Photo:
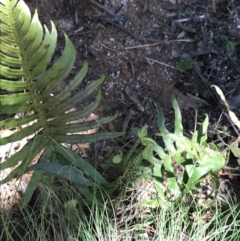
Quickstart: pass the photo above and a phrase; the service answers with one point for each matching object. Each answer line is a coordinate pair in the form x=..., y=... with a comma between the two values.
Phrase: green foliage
x=188, y=64
x=193, y=158
x=185, y=64
x=230, y=45
x=30, y=84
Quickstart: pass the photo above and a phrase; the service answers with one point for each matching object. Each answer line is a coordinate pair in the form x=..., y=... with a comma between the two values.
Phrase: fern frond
x=28, y=79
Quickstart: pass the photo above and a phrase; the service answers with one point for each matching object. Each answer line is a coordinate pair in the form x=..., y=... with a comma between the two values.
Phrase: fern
x=28, y=81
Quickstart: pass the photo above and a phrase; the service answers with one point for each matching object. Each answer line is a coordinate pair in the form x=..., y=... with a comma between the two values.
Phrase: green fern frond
x=27, y=81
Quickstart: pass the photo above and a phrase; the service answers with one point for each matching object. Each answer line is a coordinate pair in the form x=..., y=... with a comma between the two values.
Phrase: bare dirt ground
x=137, y=45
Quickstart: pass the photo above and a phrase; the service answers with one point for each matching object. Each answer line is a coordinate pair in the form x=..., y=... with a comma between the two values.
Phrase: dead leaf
x=232, y=115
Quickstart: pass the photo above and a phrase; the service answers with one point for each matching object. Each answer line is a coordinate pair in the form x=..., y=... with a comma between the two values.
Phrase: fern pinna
x=27, y=81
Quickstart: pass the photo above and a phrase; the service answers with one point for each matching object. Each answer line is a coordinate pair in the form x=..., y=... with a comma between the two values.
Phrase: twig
x=134, y=99
x=145, y=7
x=141, y=46
x=77, y=30
x=205, y=83
x=106, y=46
x=222, y=139
x=76, y=17
x=133, y=70
x=232, y=124
x=148, y=45
x=102, y=7
x=127, y=120
x=165, y=42
x=219, y=119
x=214, y=6
x=185, y=28
x=125, y=29
x=167, y=65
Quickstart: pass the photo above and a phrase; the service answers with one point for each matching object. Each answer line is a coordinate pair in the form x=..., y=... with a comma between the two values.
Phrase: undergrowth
x=156, y=197
x=62, y=219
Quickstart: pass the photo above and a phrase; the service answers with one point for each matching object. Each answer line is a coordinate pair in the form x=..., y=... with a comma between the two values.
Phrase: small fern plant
x=175, y=167
x=28, y=80
x=182, y=162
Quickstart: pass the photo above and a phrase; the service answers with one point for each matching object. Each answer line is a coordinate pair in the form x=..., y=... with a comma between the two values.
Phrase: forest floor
x=150, y=50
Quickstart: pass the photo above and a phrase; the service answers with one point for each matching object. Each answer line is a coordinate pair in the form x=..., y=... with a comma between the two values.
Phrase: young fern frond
x=27, y=81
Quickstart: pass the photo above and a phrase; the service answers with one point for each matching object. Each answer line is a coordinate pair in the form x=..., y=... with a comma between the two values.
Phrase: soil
x=113, y=52
x=138, y=45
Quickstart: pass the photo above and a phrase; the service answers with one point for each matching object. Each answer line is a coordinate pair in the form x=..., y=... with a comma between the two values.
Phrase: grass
x=62, y=218
x=59, y=211
x=176, y=223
